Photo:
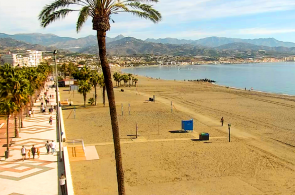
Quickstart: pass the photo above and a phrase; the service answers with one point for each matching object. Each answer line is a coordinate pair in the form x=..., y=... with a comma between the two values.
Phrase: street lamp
x=229, y=125
x=57, y=107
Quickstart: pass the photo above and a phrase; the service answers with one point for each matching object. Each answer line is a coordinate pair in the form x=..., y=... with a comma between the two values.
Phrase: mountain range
x=121, y=45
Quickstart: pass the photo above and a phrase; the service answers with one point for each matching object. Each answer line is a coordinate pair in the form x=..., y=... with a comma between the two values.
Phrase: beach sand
x=259, y=159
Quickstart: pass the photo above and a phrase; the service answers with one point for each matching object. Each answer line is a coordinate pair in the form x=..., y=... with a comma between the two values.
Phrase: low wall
x=70, y=187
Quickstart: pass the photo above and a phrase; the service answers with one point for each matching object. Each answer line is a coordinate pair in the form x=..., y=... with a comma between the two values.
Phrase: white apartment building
x=32, y=58
x=35, y=57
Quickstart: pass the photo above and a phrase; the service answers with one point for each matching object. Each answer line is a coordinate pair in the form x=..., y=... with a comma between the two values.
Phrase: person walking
x=221, y=120
x=29, y=153
x=30, y=113
x=38, y=152
x=62, y=183
x=52, y=146
x=50, y=120
x=47, y=145
x=33, y=149
x=23, y=152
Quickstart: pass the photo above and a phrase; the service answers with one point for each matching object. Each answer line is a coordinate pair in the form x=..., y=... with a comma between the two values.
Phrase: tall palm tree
x=102, y=84
x=84, y=88
x=116, y=76
x=135, y=81
x=125, y=79
x=129, y=78
x=101, y=12
x=95, y=80
x=7, y=107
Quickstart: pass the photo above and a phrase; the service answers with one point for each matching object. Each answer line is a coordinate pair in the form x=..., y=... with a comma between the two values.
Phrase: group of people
x=49, y=146
x=33, y=151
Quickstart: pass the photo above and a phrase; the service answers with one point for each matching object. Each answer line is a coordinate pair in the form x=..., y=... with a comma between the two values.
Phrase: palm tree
x=95, y=80
x=84, y=88
x=7, y=107
x=102, y=84
x=129, y=78
x=135, y=81
x=116, y=76
x=125, y=79
x=101, y=12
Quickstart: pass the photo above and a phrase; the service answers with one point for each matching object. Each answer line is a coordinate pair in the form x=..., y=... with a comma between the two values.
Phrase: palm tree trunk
x=104, y=95
x=7, y=134
x=84, y=100
x=16, y=127
x=101, y=36
x=95, y=94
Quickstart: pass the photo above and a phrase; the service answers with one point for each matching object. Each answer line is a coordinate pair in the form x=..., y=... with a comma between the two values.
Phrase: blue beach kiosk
x=187, y=125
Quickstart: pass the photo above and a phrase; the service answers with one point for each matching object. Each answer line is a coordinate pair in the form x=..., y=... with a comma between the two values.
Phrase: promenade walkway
x=33, y=176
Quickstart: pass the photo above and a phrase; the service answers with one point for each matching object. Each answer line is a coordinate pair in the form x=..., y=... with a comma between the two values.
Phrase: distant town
x=33, y=57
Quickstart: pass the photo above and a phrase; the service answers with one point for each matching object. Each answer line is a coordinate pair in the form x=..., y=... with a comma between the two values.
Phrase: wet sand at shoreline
x=259, y=159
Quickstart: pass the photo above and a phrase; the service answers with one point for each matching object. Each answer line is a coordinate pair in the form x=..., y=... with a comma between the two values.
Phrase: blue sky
x=184, y=19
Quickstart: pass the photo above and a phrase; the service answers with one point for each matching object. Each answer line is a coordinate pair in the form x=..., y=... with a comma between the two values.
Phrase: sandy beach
x=259, y=159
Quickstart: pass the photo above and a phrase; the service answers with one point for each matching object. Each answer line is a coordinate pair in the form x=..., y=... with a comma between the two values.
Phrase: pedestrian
x=62, y=183
x=52, y=146
x=38, y=152
x=47, y=145
x=50, y=120
x=33, y=149
x=221, y=120
x=30, y=113
x=23, y=152
x=29, y=153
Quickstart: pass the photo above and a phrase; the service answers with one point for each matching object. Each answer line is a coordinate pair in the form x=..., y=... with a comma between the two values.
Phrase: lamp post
x=229, y=125
x=57, y=107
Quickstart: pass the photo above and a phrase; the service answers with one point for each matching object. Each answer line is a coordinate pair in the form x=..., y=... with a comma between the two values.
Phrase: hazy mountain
x=59, y=42
x=170, y=41
x=130, y=46
x=9, y=44
x=37, y=38
x=218, y=41
x=251, y=47
x=76, y=44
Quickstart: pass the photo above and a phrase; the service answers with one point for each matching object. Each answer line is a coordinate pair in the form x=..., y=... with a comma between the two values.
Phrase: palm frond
x=55, y=16
x=154, y=14
x=49, y=9
x=142, y=15
x=84, y=13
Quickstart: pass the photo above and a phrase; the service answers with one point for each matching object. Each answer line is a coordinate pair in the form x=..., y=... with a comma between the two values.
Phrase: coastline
x=260, y=123
x=231, y=87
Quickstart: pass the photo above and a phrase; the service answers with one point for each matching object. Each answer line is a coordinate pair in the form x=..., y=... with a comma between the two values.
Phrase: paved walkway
x=33, y=176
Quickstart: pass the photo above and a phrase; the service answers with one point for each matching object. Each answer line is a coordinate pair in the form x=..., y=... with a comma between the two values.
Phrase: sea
x=266, y=77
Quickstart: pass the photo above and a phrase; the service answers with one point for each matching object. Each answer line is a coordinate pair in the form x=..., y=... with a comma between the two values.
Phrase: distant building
x=32, y=58
x=35, y=57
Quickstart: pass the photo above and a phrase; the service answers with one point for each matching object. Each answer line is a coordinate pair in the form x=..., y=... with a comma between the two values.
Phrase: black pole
x=228, y=134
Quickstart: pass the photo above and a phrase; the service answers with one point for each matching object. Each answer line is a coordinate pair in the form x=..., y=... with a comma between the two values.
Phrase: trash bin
x=204, y=136
x=187, y=125
x=6, y=154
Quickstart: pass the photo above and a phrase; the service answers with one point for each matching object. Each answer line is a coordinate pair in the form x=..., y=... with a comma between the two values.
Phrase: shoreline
x=231, y=87
x=152, y=161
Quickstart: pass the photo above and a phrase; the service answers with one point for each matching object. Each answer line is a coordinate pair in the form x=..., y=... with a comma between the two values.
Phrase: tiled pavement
x=33, y=176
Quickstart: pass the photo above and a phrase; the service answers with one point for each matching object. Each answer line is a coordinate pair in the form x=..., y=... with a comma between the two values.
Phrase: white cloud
x=19, y=16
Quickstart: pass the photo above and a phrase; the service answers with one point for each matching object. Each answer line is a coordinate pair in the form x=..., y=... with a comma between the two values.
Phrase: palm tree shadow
x=178, y=131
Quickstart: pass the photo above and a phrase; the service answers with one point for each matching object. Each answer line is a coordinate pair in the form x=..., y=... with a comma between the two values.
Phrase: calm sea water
x=268, y=77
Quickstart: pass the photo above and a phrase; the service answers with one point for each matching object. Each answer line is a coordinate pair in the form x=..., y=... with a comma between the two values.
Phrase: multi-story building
x=32, y=58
